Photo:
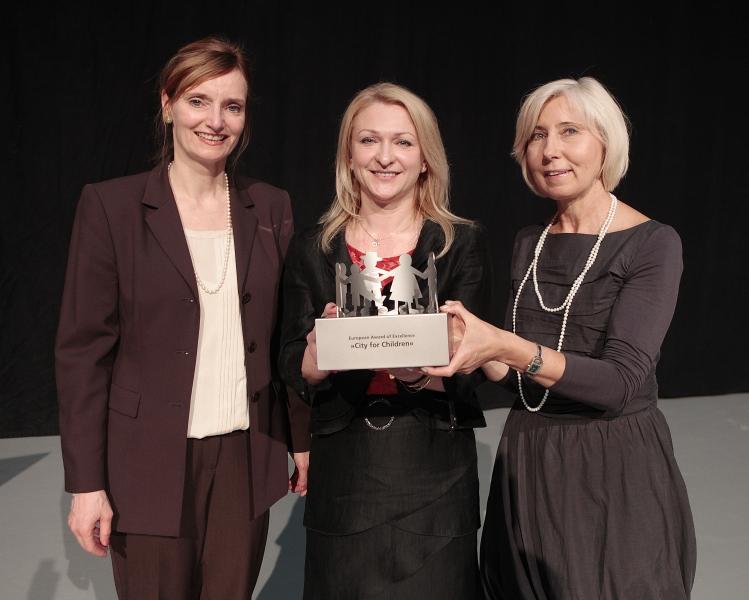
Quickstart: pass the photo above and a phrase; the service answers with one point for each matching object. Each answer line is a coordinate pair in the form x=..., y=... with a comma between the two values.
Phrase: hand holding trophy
x=309, y=361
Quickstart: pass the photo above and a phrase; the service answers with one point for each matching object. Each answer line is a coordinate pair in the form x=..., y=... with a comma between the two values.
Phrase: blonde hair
x=600, y=110
x=432, y=187
x=193, y=64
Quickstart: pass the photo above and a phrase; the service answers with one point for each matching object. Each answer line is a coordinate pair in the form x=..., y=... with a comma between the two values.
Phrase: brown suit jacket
x=127, y=341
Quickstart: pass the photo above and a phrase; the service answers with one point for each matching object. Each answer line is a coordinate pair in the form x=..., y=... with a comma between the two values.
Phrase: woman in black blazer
x=393, y=503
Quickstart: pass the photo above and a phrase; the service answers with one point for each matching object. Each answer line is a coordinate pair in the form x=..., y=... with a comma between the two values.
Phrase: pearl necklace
x=227, y=246
x=570, y=296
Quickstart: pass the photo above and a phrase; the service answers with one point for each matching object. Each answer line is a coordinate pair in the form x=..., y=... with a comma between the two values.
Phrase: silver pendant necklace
x=377, y=241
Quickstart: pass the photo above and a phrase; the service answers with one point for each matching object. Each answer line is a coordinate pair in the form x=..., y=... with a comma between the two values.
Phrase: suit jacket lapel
x=430, y=239
x=339, y=254
x=165, y=224
x=244, y=222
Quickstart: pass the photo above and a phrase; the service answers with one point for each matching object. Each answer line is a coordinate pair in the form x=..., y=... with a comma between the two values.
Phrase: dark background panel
x=81, y=86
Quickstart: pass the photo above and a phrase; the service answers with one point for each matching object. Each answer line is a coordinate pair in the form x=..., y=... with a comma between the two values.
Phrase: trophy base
x=383, y=342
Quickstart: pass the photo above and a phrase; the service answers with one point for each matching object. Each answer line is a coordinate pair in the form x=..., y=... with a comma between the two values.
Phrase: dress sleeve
x=639, y=321
x=87, y=336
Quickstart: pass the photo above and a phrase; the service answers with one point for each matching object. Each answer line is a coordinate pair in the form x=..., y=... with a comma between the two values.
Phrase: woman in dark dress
x=392, y=510
x=586, y=499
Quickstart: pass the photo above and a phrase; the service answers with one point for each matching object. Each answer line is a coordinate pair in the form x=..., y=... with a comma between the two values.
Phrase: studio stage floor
x=40, y=560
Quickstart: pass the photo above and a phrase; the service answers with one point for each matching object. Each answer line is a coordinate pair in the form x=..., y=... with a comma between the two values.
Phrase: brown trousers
x=219, y=553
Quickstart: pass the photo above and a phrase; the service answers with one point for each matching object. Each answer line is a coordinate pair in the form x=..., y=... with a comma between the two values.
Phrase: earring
x=167, y=120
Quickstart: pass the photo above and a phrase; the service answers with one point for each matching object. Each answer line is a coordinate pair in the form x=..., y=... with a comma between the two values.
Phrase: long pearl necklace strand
x=570, y=296
x=227, y=246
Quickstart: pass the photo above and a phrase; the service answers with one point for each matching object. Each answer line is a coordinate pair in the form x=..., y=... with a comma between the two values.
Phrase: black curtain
x=81, y=83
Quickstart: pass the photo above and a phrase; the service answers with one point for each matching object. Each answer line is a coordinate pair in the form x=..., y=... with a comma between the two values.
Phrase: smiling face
x=564, y=155
x=208, y=119
x=386, y=158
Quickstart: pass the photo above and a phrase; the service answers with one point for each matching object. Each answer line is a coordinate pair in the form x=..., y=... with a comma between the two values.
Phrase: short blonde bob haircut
x=193, y=64
x=432, y=193
x=600, y=111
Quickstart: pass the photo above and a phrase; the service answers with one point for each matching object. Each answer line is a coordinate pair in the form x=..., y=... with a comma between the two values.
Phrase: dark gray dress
x=586, y=498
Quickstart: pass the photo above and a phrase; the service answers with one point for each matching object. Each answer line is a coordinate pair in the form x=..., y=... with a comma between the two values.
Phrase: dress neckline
x=565, y=233
x=358, y=252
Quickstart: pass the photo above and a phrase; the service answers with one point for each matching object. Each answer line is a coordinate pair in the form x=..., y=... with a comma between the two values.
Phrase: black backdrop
x=82, y=97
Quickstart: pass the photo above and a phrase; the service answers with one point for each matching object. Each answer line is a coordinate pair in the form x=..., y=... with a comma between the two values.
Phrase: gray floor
x=39, y=559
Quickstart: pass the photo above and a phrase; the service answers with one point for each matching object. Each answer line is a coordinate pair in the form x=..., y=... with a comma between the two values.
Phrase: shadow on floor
x=10, y=467
x=287, y=579
x=44, y=583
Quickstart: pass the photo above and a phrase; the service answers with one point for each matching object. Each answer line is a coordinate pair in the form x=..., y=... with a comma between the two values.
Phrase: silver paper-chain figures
x=364, y=287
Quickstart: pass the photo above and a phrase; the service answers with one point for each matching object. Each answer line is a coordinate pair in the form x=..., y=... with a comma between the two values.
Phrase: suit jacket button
x=256, y=396
x=252, y=347
x=246, y=298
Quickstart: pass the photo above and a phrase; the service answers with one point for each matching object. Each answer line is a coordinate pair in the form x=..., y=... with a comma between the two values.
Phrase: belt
x=384, y=409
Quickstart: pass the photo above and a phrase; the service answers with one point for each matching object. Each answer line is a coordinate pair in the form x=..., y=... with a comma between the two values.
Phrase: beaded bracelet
x=418, y=385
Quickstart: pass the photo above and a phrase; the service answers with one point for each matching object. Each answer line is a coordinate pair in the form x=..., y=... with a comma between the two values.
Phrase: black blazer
x=464, y=274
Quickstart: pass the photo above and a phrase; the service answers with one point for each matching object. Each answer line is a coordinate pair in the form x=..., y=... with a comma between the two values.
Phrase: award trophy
x=368, y=334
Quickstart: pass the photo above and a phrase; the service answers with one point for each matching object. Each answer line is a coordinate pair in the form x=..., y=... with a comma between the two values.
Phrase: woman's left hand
x=477, y=342
x=298, y=479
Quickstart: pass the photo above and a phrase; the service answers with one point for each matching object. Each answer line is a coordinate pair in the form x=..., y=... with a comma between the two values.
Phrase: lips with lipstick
x=557, y=172
x=385, y=174
x=212, y=138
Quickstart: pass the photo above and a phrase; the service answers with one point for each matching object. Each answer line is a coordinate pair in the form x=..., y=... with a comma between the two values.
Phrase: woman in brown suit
x=174, y=437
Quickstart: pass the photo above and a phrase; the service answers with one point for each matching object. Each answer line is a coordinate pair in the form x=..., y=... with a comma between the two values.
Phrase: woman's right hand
x=90, y=520
x=310, y=372
x=473, y=344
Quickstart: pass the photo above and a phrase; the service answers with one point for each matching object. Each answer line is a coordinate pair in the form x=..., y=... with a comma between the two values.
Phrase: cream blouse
x=219, y=390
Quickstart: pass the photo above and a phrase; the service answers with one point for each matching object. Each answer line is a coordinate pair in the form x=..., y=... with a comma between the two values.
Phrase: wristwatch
x=536, y=362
